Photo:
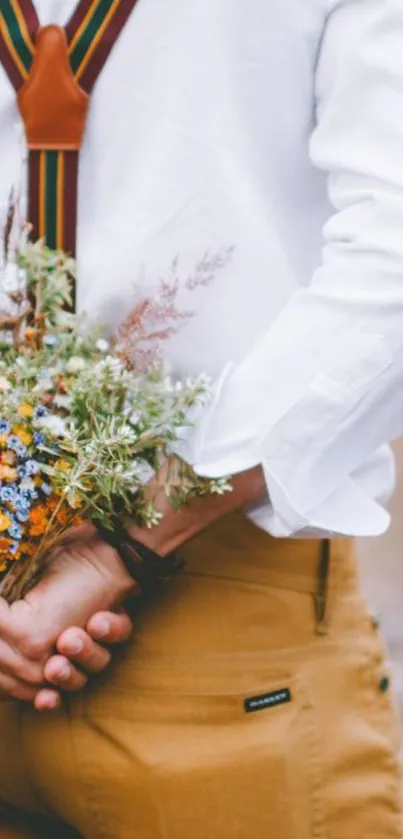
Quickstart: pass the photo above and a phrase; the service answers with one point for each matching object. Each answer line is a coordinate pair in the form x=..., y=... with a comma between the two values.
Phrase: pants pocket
x=205, y=765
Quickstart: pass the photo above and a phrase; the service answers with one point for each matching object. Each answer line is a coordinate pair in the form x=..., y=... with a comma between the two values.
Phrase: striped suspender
x=53, y=71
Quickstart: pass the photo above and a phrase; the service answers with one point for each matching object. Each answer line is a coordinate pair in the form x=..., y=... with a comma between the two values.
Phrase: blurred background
x=381, y=563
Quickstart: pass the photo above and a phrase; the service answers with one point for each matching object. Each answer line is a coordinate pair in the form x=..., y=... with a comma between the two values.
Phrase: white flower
x=62, y=400
x=4, y=384
x=75, y=364
x=102, y=345
x=127, y=433
x=56, y=426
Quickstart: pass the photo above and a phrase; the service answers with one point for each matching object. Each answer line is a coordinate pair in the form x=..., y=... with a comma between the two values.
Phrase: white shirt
x=273, y=127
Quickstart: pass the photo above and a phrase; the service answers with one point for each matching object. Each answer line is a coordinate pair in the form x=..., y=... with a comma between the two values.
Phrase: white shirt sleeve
x=323, y=389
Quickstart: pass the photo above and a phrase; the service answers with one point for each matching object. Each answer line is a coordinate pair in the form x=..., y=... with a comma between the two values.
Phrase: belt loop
x=321, y=597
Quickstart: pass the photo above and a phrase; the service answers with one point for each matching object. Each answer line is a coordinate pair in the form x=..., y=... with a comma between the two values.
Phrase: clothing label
x=267, y=700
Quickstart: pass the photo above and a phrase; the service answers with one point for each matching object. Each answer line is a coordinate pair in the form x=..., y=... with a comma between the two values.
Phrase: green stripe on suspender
x=84, y=43
x=51, y=188
x=14, y=30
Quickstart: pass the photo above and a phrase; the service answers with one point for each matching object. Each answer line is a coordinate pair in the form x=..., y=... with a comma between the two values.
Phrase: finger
x=61, y=672
x=110, y=628
x=17, y=666
x=16, y=689
x=47, y=700
x=76, y=645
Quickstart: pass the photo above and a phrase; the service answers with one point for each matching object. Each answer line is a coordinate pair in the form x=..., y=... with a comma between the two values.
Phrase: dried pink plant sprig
x=155, y=319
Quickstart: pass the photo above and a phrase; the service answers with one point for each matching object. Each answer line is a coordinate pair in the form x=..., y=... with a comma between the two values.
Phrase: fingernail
x=76, y=647
x=102, y=628
x=64, y=673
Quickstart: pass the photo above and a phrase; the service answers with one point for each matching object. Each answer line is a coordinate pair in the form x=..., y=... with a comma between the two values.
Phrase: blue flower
x=29, y=493
x=14, y=548
x=15, y=530
x=30, y=467
x=16, y=446
x=5, y=426
x=39, y=438
x=22, y=515
x=46, y=489
x=8, y=494
x=40, y=412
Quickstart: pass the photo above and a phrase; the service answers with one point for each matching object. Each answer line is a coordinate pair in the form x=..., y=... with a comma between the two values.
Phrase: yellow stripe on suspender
x=84, y=24
x=42, y=194
x=11, y=48
x=97, y=39
x=60, y=200
x=23, y=26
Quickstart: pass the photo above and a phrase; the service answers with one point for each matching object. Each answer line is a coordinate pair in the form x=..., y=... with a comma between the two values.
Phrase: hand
x=82, y=579
x=81, y=653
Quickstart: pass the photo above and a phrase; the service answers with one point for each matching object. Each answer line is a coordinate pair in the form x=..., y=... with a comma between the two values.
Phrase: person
x=253, y=697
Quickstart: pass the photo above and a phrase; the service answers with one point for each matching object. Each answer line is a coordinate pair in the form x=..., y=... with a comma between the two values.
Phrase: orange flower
x=38, y=529
x=5, y=522
x=37, y=514
x=5, y=544
x=62, y=517
x=8, y=457
x=7, y=473
x=25, y=410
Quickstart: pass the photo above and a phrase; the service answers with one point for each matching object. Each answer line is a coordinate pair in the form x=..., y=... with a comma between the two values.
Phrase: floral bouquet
x=84, y=421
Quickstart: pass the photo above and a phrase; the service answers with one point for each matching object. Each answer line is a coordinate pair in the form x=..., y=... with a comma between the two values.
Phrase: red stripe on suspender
x=31, y=17
x=33, y=194
x=16, y=79
x=70, y=201
x=77, y=18
x=104, y=48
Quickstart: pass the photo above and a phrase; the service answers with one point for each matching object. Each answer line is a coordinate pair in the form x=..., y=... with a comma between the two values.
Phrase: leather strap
x=54, y=71
x=147, y=568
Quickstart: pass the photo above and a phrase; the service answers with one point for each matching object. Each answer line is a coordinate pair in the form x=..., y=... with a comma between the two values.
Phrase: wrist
x=109, y=564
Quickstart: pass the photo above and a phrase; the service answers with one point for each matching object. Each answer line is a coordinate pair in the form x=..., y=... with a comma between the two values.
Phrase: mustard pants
x=228, y=716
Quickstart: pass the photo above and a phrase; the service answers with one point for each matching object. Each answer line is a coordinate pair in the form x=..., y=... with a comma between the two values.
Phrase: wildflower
x=4, y=545
x=25, y=410
x=16, y=446
x=37, y=514
x=54, y=425
x=40, y=412
x=102, y=345
x=22, y=515
x=62, y=466
x=46, y=489
x=62, y=400
x=5, y=426
x=14, y=549
x=5, y=522
x=38, y=438
x=8, y=458
x=27, y=469
x=7, y=473
x=15, y=530
x=8, y=494
x=4, y=384
x=76, y=364
x=24, y=436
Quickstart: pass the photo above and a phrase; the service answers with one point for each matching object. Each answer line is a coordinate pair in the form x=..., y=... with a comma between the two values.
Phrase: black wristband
x=147, y=568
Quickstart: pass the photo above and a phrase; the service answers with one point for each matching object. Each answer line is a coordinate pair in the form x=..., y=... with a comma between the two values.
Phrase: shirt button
x=384, y=684
x=375, y=622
